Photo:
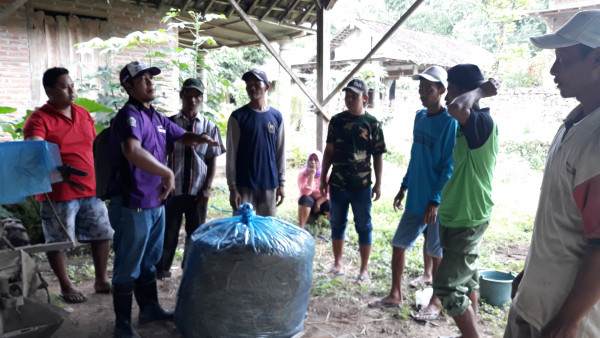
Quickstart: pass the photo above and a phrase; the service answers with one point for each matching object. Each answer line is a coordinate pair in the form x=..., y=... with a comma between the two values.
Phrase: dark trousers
x=176, y=208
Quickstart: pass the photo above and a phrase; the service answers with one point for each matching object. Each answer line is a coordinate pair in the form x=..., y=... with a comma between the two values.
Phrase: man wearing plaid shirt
x=194, y=169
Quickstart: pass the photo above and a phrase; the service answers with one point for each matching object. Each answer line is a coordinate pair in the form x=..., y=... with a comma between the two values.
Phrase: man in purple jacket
x=140, y=183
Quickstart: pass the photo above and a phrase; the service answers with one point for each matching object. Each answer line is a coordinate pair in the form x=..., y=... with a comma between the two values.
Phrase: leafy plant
x=191, y=62
x=15, y=122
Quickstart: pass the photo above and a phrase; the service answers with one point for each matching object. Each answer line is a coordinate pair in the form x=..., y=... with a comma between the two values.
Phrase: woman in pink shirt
x=308, y=183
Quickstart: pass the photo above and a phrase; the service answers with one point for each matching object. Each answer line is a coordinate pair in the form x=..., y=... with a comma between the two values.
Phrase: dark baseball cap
x=467, y=76
x=357, y=86
x=193, y=83
x=256, y=73
x=136, y=69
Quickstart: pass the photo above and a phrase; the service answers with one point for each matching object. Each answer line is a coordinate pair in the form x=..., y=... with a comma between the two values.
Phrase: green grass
x=515, y=193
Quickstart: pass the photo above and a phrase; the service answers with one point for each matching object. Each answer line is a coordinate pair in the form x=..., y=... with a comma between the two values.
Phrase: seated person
x=308, y=183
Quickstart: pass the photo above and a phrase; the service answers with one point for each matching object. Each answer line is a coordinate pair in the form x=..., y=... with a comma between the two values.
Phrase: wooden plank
x=187, y=5
x=308, y=12
x=207, y=8
x=255, y=42
x=318, y=4
x=289, y=10
x=51, y=41
x=323, y=68
x=46, y=247
x=387, y=35
x=63, y=48
x=226, y=27
x=38, y=63
x=10, y=9
x=273, y=5
x=74, y=57
x=251, y=7
x=273, y=52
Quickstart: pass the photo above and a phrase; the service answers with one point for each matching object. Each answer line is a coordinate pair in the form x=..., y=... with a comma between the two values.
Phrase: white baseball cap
x=584, y=28
x=433, y=74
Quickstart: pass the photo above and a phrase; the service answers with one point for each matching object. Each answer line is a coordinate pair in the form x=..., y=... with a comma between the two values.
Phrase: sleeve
x=586, y=191
x=214, y=133
x=302, y=180
x=378, y=143
x=331, y=135
x=446, y=164
x=587, y=199
x=35, y=126
x=93, y=124
x=233, y=139
x=128, y=123
x=280, y=154
x=478, y=128
x=406, y=178
x=407, y=175
x=174, y=132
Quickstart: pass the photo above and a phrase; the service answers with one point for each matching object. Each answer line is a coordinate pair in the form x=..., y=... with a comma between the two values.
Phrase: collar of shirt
x=140, y=106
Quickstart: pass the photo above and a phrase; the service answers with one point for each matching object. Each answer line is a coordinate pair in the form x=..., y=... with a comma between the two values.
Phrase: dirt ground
x=343, y=315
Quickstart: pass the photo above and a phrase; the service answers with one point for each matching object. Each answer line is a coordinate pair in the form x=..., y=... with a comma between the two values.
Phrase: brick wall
x=123, y=18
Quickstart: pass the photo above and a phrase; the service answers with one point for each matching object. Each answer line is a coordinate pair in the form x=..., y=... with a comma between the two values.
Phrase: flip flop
x=362, y=279
x=334, y=273
x=423, y=316
x=73, y=297
x=415, y=283
x=382, y=303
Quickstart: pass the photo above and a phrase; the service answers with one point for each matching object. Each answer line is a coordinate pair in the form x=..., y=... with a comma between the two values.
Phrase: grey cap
x=433, y=74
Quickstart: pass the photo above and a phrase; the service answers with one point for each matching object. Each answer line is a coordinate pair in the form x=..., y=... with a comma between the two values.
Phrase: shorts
x=309, y=201
x=457, y=275
x=263, y=201
x=84, y=218
x=410, y=227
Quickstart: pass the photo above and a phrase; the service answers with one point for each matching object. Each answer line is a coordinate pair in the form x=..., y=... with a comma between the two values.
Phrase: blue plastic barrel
x=495, y=287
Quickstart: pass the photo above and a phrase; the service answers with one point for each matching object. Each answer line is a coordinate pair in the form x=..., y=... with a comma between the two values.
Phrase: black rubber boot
x=146, y=295
x=122, y=299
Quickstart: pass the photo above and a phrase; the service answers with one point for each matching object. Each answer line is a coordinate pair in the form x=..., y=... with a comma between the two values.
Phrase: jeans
x=138, y=240
x=360, y=201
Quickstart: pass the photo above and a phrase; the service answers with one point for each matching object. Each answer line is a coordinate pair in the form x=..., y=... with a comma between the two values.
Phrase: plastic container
x=27, y=168
x=495, y=287
x=245, y=276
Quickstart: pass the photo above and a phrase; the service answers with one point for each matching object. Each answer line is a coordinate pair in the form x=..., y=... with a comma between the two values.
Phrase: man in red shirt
x=72, y=128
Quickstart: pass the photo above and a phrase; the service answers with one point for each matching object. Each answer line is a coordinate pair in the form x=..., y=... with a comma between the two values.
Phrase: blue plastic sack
x=245, y=276
x=27, y=168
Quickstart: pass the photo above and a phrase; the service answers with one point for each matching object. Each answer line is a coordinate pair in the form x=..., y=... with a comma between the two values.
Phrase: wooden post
x=275, y=54
x=377, y=46
x=323, y=67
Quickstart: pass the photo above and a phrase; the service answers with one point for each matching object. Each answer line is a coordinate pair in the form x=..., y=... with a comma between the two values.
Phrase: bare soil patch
x=342, y=311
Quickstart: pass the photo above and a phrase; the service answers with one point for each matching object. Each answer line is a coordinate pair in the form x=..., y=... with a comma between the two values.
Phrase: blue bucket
x=495, y=287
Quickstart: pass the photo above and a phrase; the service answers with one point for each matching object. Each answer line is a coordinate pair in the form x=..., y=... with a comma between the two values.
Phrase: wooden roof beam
x=252, y=6
x=11, y=8
x=227, y=41
x=273, y=5
x=186, y=5
x=306, y=14
x=207, y=7
x=387, y=35
x=289, y=10
x=226, y=27
x=276, y=55
x=255, y=42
